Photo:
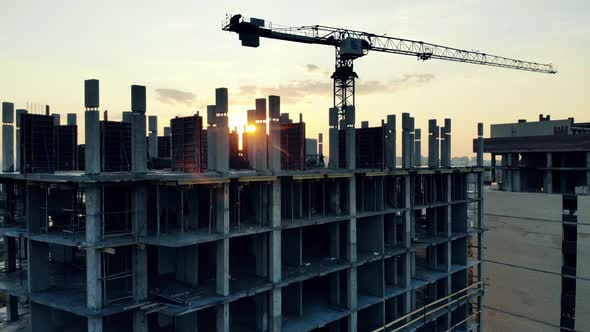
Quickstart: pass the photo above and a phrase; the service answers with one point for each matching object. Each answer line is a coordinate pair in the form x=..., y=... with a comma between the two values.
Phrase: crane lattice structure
x=351, y=44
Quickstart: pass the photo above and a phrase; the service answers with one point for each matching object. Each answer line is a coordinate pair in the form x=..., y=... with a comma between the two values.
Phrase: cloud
x=173, y=96
x=295, y=91
x=394, y=85
x=310, y=67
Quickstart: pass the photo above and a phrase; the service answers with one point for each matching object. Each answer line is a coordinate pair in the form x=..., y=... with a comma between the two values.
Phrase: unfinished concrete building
x=538, y=219
x=382, y=248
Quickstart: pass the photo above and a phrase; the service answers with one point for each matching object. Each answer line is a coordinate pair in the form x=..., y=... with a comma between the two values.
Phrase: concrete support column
x=390, y=142
x=94, y=267
x=260, y=157
x=17, y=149
x=274, y=139
x=7, y=137
x=350, y=133
x=333, y=149
x=153, y=136
x=222, y=130
x=138, y=132
x=480, y=144
x=407, y=257
x=493, y=168
x=222, y=255
x=516, y=187
x=211, y=140
x=140, y=286
x=412, y=135
x=10, y=266
x=351, y=255
x=445, y=144
x=275, y=258
x=507, y=163
x=92, y=144
x=417, y=148
x=548, y=181
x=588, y=169
x=433, y=146
x=406, y=145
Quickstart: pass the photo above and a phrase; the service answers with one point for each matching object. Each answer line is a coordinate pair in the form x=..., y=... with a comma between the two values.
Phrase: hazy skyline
x=177, y=49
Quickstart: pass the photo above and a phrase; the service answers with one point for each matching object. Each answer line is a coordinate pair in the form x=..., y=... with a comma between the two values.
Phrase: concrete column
x=275, y=258
x=432, y=144
x=223, y=317
x=407, y=258
x=548, y=180
x=138, y=132
x=446, y=141
x=516, y=173
x=92, y=127
x=480, y=144
x=7, y=137
x=18, y=121
x=588, y=169
x=260, y=157
x=411, y=147
x=222, y=130
x=417, y=148
x=334, y=139
x=153, y=136
x=493, y=168
x=352, y=256
x=274, y=139
x=139, y=260
x=406, y=146
x=390, y=142
x=211, y=149
x=222, y=250
x=94, y=289
x=92, y=142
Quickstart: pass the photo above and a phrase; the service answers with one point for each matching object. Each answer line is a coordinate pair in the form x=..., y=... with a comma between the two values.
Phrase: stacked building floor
x=393, y=248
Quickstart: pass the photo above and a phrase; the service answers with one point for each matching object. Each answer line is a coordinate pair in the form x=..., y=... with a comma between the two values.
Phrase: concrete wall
x=496, y=321
x=524, y=235
x=534, y=244
x=523, y=205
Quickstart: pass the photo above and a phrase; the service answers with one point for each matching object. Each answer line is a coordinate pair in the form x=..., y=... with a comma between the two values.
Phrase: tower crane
x=350, y=45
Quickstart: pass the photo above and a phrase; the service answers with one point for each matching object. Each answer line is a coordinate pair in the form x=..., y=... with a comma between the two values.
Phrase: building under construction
x=538, y=203
x=193, y=231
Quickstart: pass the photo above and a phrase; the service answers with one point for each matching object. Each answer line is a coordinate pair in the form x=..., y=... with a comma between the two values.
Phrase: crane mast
x=351, y=44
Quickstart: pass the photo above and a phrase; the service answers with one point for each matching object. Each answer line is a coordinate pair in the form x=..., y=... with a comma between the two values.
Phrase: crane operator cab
x=352, y=48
